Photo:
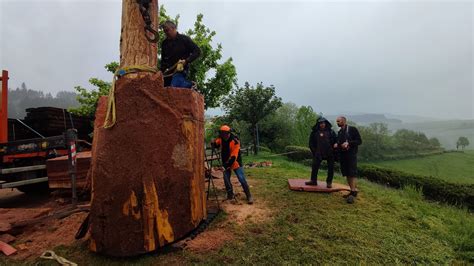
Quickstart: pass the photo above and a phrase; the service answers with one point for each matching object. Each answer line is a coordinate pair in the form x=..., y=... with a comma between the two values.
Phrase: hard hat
x=225, y=128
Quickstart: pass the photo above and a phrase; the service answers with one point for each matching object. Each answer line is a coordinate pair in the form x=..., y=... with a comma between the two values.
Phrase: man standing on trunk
x=348, y=141
x=321, y=142
x=177, y=52
x=231, y=160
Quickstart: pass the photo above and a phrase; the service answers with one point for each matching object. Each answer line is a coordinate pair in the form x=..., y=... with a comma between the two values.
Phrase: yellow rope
x=111, y=116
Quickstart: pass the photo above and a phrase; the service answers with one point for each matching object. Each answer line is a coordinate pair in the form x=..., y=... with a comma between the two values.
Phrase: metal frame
x=23, y=182
x=210, y=181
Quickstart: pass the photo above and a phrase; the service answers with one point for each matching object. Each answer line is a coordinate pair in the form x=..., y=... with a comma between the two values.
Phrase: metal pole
x=4, y=108
x=71, y=138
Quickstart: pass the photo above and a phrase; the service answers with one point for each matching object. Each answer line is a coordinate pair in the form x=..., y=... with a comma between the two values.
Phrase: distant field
x=454, y=167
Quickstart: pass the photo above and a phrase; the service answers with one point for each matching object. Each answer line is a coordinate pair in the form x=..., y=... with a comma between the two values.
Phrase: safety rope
x=50, y=255
x=111, y=116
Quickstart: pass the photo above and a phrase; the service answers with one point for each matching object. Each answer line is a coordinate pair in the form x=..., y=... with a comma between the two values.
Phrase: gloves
x=230, y=162
x=180, y=65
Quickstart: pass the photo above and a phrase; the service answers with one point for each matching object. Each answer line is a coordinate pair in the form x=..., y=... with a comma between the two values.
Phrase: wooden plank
x=299, y=185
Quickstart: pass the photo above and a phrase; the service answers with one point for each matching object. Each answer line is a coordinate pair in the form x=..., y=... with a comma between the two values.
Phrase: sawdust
x=36, y=239
x=209, y=240
x=10, y=216
x=238, y=210
x=242, y=213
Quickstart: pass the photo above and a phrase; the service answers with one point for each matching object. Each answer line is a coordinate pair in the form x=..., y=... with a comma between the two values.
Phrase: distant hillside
x=22, y=98
x=447, y=132
x=365, y=119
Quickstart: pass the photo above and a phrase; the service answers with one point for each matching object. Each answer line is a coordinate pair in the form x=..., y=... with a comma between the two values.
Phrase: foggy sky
x=339, y=57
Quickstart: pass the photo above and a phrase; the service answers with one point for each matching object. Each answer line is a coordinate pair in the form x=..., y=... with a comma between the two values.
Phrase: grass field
x=384, y=226
x=454, y=167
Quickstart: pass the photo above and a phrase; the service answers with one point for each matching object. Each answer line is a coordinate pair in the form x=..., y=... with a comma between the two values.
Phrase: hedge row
x=304, y=156
x=390, y=157
x=432, y=188
x=298, y=153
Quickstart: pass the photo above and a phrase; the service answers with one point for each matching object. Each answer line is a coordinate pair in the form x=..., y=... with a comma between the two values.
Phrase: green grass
x=384, y=226
x=454, y=167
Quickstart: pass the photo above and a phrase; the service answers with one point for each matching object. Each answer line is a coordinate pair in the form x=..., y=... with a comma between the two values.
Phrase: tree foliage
x=289, y=125
x=462, y=142
x=252, y=105
x=214, y=76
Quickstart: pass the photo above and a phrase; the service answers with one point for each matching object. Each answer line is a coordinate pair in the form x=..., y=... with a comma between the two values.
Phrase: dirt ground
x=238, y=212
x=31, y=241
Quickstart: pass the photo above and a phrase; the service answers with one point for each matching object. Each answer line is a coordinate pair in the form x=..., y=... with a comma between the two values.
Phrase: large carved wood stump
x=148, y=186
x=147, y=170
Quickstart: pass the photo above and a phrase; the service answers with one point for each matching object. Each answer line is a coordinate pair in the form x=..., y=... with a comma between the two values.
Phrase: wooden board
x=58, y=171
x=299, y=185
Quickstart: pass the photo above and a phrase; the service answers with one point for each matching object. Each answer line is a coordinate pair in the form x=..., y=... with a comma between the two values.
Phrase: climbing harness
x=143, y=6
x=50, y=255
x=111, y=116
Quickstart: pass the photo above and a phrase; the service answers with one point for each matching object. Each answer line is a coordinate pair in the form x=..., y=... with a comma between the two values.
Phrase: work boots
x=311, y=183
x=249, y=196
x=350, y=198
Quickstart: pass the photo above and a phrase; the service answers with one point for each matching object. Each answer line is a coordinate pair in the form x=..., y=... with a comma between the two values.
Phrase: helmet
x=225, y=128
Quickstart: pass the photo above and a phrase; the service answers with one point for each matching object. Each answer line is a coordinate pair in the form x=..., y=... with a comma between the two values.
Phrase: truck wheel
x=35, y=189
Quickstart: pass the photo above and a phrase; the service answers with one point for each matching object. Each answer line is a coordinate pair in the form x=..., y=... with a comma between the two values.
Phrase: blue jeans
x=179, y=80
x=239, y=172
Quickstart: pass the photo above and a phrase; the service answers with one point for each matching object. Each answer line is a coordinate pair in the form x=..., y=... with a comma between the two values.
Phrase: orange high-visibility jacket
x=230, y=152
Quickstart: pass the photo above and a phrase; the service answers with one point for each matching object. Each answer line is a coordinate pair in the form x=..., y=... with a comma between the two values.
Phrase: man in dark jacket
x=348, y=141
x=321, y=142
x=177, y=52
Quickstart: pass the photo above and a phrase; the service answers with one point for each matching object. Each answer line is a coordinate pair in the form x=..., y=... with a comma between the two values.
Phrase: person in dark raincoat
x=321, y=143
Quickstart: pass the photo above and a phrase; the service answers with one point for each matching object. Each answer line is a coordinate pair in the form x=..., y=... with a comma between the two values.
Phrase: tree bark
x=147, y=171
x=255, y=144
x=135, y=49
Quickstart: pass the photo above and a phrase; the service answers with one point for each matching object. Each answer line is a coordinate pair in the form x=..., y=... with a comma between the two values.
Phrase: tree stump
x=148, y=186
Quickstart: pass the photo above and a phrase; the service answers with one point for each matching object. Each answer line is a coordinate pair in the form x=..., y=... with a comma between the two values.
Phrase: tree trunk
x=148, y=186
x=135, y=49
x=255, y=143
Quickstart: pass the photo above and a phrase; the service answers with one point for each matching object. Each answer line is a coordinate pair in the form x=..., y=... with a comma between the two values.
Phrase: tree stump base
x=148, y=186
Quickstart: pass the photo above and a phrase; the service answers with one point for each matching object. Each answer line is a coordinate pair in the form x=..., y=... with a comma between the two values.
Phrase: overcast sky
x=399, y=57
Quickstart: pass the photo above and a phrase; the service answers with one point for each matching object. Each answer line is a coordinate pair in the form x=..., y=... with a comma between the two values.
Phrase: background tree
x=252, y=105
x=435, y=143
x=277, y=129
x=462, y=142
x=305, y=120
x=88, y=99
x=215, y=78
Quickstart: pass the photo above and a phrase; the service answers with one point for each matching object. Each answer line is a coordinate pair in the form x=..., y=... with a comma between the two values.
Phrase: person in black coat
x=348, y=141
x=321, y=142
x=177, y=51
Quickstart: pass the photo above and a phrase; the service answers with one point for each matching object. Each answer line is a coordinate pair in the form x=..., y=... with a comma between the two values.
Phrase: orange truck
x=23, y=161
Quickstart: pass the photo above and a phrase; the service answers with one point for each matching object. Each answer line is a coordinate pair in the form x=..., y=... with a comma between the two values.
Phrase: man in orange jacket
x=231, y=160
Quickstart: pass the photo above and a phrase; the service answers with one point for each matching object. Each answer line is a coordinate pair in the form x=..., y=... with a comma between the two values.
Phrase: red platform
x=299, y=185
